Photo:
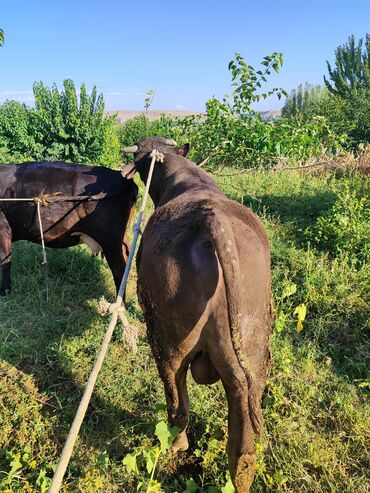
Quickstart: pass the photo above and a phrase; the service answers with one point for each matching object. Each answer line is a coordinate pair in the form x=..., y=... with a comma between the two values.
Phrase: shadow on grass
x=29, y=324
x=56, y=341
x=295, y=211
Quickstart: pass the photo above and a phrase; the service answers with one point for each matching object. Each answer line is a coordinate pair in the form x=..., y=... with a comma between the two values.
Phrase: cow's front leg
x=5, y=254
x=173, y=375
x=125, y=249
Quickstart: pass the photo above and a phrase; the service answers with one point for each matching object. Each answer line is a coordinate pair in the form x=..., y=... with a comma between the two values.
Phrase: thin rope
x=117, y=309
x=42, y=199
x=59, y=197
x=44, y=256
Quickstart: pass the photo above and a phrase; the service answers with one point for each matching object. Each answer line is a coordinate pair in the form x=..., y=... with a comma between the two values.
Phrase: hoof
x=4, y=292
x=180, y=443
x=244, y=474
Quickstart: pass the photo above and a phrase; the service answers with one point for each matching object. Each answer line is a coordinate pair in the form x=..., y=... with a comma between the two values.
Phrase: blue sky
x=180, y=49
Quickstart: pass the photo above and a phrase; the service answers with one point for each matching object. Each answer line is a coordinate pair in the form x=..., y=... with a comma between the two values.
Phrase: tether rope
x=42, y=199
x=47, y=198
x=44, y=256
x=117, y=309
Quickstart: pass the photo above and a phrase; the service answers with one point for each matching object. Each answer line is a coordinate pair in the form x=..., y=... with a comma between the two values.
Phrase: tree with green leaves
x=304, y=101
x=247, y=82
x=64, y=125
x=344, y=101
x=70, y=126
x=349, y=83
x=351, y=73
x=15, y=130
x=1, y=37
x=232, y=126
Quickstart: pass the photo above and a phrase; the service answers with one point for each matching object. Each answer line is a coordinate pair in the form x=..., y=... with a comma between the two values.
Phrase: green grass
x=316, y=435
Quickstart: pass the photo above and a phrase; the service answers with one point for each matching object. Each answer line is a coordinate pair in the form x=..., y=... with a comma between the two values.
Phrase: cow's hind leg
x=241, y=446
x=126, y=243
x=172, y=370
x=173, y=375
x=115, y=256
x=5, y=254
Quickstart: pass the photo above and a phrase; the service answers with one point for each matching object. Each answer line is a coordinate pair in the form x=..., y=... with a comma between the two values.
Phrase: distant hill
x=124, y=115
x=270, y=115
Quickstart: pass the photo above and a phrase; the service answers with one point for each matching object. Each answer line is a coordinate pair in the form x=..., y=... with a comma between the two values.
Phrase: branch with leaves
x=247, y=81
x=149, y=99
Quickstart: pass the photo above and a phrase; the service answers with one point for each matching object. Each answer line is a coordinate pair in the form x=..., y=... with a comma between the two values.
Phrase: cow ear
x=183, y=150
x=128, y=170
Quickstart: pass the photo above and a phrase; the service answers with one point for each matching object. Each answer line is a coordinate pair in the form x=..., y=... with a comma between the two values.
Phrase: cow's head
x=144, y=147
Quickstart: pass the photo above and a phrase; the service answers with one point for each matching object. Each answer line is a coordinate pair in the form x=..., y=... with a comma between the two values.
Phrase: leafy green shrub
x=257, y=143
x=62, y=126
x=111, y=151
x=230, y=126
x=344, y=229
x=68, y=126
x=133, y=130
x=8, y=157
x=16, y=132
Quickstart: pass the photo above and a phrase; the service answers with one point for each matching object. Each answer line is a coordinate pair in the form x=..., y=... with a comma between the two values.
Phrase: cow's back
x=30, y=180
x=178, y=253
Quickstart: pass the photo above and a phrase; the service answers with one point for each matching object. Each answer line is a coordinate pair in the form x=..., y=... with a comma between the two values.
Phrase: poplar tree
x=304, y=101
x=351, y=72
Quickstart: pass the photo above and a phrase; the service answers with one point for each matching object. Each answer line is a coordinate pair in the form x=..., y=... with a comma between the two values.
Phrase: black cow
x=100, y=223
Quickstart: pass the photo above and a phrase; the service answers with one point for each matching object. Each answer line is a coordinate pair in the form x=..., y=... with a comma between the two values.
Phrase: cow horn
x=171, y=142
x=132, y=149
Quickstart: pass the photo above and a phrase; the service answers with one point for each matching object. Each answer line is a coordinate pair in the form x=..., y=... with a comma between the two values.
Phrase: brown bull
x=204, y=284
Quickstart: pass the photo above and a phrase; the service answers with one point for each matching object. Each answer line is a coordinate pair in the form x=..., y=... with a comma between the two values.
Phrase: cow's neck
x=173, y=178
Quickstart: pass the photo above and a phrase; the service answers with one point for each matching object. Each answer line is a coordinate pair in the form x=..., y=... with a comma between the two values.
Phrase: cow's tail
x=223, y=240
